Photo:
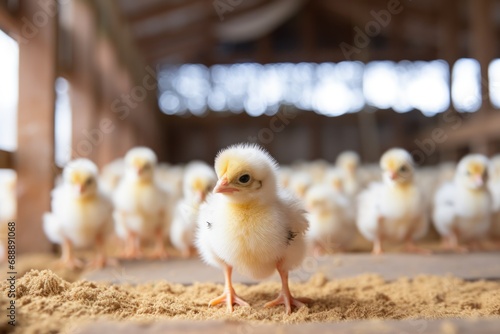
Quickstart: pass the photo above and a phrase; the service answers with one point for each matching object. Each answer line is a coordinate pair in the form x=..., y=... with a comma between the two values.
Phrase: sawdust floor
x=48, y=304
x=55, y=301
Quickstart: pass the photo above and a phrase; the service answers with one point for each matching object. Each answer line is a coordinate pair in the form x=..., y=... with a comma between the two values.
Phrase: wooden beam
x=202, y=28
x=10, y=24
x=482, y=44
x=163, y=7
x=35, y=154
x=83, y=81
x=6, y=159
x=194, y=44
x=469, y=127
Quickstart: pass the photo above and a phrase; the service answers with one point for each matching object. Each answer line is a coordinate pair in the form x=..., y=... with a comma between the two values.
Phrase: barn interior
x=305, y=79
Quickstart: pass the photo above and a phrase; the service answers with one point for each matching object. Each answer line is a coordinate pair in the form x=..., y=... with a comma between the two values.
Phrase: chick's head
x=81, y=176
x=348, y=161
x=245, y=173
x=319, y=199
x=334, y=180
x=397, y=166
x=141, y=162
x=472, y=171
x=199, y=181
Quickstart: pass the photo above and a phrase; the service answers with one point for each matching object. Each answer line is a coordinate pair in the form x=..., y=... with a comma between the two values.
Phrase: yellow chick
x=250, y=225
x=111, y=175
x=81, y=213
x=348, y=164
x=330, y=227
x=395, y=209
x=140, y=204
x=299, y=183
x=199, y=181
x=462, y=208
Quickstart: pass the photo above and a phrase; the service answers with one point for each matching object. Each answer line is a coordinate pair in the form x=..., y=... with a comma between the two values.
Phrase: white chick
x=329, y=225
x=110, y=176
x=393, y=209
x=334, y=179
x=140, y=204
x=299, y=183
x=494, y=187
x=348, y=163
x=250, y=224
x=199, y=181
x=81, y=214
x=8, y=206
x=462, y=208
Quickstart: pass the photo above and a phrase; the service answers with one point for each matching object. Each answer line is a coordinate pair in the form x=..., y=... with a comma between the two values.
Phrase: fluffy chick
x=199, y=181
x=462, y=208
x=494, y=187
x=110, y=176
x=81, y=213
x=329, y=225
x=348, y=164
x=250, y=225
x=299, y=183
x=140, y=204
x=393, y=209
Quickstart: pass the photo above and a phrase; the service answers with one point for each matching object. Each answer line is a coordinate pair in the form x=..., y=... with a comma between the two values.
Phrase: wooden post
x=482, y=42
x=35, y=155
x=86, y=137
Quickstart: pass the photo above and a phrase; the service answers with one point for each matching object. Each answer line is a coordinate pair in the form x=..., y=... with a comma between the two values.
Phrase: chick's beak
x=393, y=175
x=478, y=180
x=201, y=195
x=223, y=186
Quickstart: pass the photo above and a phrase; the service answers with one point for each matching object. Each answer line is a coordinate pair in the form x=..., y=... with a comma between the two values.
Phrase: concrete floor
x=390, y=266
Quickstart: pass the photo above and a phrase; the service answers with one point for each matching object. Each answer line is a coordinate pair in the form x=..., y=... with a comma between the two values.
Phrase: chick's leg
x=101, y=260
x=285, y=297
x=228, y=296
x=160, y=252
x=68, y=258
x=133, y=247
x=377, y=242
x=451, y=243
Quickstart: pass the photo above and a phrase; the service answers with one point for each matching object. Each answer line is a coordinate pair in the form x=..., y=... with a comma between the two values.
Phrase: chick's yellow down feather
x=249, y=223
x=81, y=214
x=140, y=204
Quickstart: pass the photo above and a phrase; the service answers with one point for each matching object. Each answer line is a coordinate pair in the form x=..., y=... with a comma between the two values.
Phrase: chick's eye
x=244, y=178
x=403, y=169
x=88, y=182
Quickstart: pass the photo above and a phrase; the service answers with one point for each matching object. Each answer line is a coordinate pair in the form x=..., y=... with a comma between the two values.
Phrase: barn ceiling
x=264, y=31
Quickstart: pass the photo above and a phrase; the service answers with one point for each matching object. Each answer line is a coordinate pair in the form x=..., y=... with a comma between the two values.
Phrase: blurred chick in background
x=393, y=209
x=199, y=181
x=111, y=175
x=330, y=228
x=462, y=208
x=249, y=225
x=348, y=163
x=8, y=207
x=494, y=187
x=299, y=183
x=140, y=204
x=81, y=214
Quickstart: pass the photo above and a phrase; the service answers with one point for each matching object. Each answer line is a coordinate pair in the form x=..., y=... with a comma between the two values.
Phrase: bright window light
x=494, y=76
x=330, y=89
x=63, y=123
x=466, y=85
x=9, y=83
